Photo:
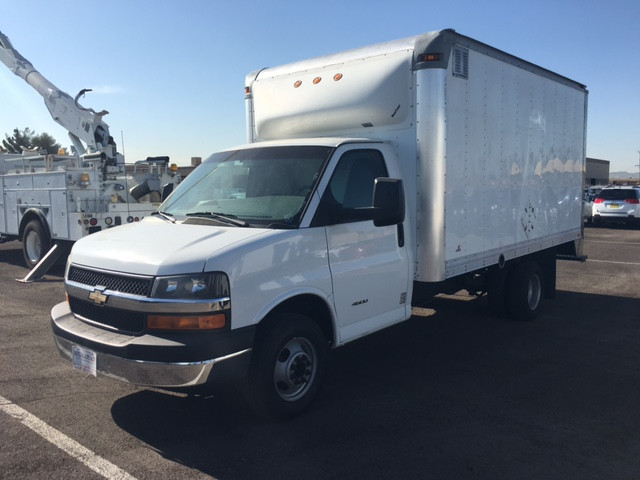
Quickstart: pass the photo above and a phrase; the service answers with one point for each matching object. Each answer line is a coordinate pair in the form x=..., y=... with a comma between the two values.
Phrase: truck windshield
x=262, y=186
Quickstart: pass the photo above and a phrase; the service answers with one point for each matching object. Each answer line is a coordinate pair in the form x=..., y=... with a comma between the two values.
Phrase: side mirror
x=388, y=202
x=387, y=208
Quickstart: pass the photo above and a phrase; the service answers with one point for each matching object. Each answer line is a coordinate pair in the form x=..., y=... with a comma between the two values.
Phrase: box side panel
x=514, y=163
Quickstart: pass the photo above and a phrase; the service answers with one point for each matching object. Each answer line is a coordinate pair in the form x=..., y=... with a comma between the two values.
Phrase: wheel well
x=308, y=305
x=494, y=276
x=33, y=214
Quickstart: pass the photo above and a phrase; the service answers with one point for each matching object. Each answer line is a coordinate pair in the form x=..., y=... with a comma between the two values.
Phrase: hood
x=155, y=246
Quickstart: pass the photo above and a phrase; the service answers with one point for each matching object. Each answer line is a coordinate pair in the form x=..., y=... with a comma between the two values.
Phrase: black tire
x=525, y=291
x=35, y=243
x=287, y=367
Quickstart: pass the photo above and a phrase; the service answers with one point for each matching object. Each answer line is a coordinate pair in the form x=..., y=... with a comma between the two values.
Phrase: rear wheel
x=287, y=367
x=35, y=243
x=525, y=291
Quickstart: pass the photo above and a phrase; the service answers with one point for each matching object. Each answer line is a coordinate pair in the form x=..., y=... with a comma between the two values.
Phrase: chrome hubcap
x=33, y=246
x=295, y=369
x=534, y=292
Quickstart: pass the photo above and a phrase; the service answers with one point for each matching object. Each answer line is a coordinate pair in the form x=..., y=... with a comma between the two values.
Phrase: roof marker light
x=337, y=77
x=317, y=80
x=297, y=84
x=429, y=57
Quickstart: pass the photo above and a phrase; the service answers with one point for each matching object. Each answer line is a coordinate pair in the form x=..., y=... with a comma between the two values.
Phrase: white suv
x=617, y=204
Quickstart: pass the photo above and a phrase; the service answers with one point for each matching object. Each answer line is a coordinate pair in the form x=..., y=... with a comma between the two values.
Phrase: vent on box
x=460, y=62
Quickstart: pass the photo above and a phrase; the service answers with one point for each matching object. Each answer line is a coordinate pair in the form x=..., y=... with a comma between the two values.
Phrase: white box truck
x=372, y=178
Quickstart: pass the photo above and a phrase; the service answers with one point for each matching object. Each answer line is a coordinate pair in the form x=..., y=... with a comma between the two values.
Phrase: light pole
x=638, y=167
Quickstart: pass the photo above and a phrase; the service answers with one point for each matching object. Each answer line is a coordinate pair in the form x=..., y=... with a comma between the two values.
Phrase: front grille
x=117, y=283
x=122, y=320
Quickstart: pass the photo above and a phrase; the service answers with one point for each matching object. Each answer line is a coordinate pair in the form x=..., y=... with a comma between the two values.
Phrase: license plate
x=614, y=205
x=84, y=360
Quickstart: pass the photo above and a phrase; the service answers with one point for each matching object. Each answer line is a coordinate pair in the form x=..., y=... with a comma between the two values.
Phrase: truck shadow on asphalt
x=11, y=253
x=455, y=393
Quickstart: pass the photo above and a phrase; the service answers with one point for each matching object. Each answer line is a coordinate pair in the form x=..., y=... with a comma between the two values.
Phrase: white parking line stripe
x=613, y=242
x=64, y=443
x=611, y=261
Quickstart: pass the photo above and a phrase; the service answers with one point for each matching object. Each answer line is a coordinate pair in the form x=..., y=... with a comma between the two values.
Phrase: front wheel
x=35, y=243
x=287, y=367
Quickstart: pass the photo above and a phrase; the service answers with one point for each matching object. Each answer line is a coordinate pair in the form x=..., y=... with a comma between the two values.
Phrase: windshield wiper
x=165, y=215
x=229, y=219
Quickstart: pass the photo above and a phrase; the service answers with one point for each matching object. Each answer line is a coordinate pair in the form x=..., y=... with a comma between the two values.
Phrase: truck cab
x=311, y=230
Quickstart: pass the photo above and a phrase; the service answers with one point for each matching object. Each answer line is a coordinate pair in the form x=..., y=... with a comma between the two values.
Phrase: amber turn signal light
x=191, y=322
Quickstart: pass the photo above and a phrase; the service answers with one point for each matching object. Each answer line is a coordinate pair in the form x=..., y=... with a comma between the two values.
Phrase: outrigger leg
x=57, y=251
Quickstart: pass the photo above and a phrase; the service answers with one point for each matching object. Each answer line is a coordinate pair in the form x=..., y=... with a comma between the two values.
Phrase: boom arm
x=85, y=126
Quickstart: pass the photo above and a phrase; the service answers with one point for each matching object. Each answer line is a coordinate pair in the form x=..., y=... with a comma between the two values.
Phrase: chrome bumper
x=144, y=372
x=157, y=374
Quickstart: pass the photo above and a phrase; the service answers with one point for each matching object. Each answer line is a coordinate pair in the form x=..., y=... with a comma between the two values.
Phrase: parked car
x=587, y=207
x=587, y=201
x=617, y=204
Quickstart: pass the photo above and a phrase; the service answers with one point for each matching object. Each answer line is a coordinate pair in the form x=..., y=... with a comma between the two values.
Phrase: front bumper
x=158, y=359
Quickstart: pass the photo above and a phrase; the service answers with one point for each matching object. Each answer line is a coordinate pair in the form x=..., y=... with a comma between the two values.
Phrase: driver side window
x=351, y=186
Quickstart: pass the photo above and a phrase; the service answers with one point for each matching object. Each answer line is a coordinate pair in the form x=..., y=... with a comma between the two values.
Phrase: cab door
x=368, y=264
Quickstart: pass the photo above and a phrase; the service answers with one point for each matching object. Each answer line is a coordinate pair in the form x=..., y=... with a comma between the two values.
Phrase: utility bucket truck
x=372, y=179
x=49, y=201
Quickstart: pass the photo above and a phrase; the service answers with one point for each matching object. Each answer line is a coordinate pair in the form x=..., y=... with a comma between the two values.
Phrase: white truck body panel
x=55, y=188
x=497, y=149
x=338, y=106
x=509, y=170
x=159, y=248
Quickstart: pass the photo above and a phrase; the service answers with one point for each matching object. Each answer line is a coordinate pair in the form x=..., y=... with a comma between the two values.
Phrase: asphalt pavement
x=453, y=393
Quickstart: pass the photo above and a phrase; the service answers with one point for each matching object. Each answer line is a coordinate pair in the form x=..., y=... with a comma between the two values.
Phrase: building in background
x=597, y=172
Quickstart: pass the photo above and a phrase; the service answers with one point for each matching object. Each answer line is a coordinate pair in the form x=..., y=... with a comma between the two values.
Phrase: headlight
x=198, y=286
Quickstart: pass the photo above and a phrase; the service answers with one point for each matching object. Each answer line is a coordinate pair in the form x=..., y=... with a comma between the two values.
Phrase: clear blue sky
x=171, y=73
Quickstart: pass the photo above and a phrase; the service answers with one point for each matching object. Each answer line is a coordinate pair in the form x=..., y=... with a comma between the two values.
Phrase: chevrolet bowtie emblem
x=98, y=297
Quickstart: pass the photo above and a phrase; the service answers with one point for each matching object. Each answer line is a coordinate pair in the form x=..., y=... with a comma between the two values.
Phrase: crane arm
x=85, y=126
